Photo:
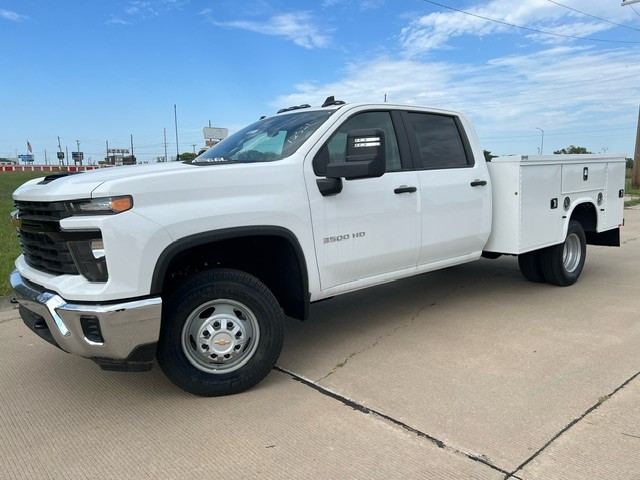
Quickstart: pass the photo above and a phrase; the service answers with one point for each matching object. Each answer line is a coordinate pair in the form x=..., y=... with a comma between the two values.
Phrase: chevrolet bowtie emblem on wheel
x=222, y=342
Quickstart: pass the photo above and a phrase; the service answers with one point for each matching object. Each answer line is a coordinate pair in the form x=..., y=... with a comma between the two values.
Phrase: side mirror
x=366, y=156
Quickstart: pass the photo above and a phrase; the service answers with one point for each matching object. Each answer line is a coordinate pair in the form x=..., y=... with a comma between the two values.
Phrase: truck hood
x=82, y=185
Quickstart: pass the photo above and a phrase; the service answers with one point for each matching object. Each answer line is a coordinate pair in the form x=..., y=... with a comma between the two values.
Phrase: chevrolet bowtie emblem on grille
x=15, y=219
x=222, y=342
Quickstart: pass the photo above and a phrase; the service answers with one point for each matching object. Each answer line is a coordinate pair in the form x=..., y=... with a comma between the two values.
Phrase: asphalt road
x=470, y=372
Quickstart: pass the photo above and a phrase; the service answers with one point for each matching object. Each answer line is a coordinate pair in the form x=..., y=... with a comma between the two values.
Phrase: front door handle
x=405, y=189
x=478, y=183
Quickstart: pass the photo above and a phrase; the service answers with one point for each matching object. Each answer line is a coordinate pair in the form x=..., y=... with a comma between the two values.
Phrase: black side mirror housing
x=366, y=156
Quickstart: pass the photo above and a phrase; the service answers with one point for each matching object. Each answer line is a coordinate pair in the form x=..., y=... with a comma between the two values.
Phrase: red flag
x=29, y=147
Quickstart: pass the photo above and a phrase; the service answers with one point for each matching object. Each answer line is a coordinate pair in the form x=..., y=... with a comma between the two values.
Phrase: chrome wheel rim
x=220, y=336
x=572, y=253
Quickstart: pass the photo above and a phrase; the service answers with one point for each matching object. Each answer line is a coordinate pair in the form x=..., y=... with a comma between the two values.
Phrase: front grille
x=43, y=211
x=44, y=247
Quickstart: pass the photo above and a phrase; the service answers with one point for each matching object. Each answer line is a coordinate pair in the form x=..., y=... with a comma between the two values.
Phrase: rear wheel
x=530, y=266
x=222, y=332
x=562, y=264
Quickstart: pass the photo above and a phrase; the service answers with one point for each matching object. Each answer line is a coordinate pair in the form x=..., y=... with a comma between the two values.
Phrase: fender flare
x=185, y=243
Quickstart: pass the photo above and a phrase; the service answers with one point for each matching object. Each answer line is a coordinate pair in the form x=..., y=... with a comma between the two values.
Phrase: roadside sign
x=215, y=133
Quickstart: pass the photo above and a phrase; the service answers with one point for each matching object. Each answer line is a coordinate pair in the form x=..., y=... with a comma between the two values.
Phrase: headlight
x=100, y=206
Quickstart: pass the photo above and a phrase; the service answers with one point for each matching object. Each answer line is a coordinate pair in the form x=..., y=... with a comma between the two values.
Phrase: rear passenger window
x=438, y=143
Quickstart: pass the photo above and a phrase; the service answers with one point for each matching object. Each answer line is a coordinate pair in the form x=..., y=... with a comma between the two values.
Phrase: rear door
x=455, y=194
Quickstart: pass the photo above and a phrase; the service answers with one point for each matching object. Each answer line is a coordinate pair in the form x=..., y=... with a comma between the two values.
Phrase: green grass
x=9, y=246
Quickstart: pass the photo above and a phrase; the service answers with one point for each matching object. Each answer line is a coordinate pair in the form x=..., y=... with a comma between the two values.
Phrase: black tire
x=562, y=264
x=222, y=332
x=530, y=266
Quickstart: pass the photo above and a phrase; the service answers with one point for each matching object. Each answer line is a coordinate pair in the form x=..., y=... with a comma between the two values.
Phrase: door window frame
x=415, y=148
x=402, y=141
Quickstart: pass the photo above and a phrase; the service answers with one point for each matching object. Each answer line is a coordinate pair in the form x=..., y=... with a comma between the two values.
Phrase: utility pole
x=635, y=176
x=60, y=160
x=175, y=119
x=66, y=149
x=107, y=159
x=45, y=157
x=165, y=144
x=132, y=147
x=194, y=147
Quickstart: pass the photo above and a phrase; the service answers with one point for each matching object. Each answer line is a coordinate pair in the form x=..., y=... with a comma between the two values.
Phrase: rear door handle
x=405, y=189
x=478, y=183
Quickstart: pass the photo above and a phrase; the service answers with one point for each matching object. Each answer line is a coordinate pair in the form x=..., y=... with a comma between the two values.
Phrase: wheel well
x=273, y=259
x=586, y=215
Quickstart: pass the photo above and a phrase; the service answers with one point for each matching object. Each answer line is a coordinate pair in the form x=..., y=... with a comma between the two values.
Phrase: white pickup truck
x=197, y=263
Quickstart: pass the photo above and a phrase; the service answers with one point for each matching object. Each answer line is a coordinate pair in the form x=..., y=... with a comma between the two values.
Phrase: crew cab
x=196, y=264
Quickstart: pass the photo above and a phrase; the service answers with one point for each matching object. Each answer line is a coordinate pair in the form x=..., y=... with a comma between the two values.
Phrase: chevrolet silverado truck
x=196, y=264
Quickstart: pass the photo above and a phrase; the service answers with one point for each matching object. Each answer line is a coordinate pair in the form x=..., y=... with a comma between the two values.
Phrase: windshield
x=266, y=140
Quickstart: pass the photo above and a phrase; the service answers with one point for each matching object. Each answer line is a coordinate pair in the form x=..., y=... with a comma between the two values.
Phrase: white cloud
x=296, y=27
x=117, y=21
x=140, y=8
x=10, y=15
x=361, y=4
x=433, y=30
x=558, y=89
x=136, y=10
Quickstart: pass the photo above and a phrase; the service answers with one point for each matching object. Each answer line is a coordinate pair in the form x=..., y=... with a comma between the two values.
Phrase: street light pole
x=175, y=119
x=542, y=140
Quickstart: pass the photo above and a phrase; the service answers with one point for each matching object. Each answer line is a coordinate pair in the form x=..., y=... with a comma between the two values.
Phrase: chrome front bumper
x=128, y=331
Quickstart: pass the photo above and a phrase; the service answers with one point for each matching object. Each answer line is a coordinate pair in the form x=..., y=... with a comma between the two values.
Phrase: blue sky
x=98, y=71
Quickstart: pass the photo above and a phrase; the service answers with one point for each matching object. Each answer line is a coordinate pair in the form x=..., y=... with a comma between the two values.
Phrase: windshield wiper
x=213, y=161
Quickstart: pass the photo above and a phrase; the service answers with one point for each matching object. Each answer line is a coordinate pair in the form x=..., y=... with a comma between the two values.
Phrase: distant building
x=119, y=156
x=8, y=161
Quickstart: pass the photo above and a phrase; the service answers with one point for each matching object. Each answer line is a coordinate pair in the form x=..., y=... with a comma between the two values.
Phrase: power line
x=527, y=28
x=633, y=8
x=593, y=16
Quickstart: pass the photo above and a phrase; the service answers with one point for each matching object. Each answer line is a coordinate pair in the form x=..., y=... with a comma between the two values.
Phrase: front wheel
x=562, y=264
x=222, y=332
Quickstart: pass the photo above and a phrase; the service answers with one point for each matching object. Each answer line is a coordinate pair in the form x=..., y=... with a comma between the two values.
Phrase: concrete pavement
x=470, y=372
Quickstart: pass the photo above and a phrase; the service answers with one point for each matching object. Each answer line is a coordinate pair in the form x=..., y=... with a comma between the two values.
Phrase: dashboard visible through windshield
x=267, y=140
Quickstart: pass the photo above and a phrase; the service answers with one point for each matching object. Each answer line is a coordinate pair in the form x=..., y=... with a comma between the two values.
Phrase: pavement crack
x=376, y=342
x=406, y=324
x=376, y=414
x=575, y=421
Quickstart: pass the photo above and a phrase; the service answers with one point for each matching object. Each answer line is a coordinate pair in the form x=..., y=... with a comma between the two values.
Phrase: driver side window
x=335, y=149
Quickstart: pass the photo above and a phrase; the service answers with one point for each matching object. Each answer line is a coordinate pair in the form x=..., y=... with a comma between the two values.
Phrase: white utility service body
x=196, y=263
x=523, y=222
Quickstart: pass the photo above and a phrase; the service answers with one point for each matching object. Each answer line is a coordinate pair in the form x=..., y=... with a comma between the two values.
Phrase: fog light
x=91, y=329
x=90, y=259
x=97, y=248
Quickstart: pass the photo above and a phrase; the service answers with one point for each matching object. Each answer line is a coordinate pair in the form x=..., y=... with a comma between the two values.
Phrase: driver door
x=370, y=231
